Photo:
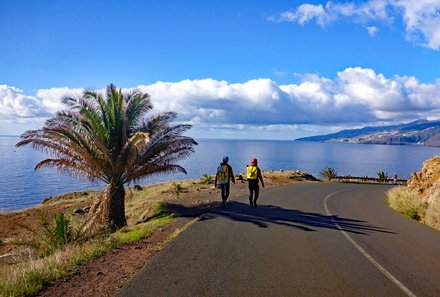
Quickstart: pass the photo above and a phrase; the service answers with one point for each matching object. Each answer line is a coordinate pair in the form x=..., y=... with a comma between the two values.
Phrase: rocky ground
x=426, y=185
x=426, y=182
x=103, y=277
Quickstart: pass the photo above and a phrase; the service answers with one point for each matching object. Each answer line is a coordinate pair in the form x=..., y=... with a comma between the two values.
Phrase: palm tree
x=107, y=137
x=383, y=176
x=329, y=173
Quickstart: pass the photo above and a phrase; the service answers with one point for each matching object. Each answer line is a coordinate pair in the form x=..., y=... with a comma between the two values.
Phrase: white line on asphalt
x=364, y=253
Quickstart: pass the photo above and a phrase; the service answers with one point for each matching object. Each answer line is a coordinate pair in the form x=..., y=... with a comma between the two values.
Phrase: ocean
x=21, y=186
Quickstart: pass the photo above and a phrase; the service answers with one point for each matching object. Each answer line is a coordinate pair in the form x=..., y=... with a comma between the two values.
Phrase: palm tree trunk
x=114, y=207
x=108, y=210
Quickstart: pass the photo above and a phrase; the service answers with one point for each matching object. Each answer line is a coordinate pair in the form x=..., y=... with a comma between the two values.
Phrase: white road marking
x=364, y=253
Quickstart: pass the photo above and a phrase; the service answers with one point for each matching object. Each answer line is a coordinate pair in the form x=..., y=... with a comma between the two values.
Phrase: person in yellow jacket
x=253, y=176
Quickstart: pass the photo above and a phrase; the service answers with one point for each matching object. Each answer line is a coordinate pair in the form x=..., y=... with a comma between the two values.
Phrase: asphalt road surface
x=323, y=239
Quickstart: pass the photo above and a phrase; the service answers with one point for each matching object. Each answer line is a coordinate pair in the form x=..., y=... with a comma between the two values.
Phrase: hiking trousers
x=225, y=191
x=254, y=191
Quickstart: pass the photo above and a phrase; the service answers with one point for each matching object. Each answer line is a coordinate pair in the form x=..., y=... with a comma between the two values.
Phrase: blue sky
x=234, y=69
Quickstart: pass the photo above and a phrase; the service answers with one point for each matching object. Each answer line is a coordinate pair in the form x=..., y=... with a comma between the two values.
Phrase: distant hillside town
x=415, y=133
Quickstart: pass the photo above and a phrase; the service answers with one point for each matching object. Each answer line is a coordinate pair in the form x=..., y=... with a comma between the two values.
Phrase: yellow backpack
x=252, y=172
x=222, y=174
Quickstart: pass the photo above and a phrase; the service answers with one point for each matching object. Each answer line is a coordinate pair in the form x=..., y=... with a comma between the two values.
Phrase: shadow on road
x=265, y=215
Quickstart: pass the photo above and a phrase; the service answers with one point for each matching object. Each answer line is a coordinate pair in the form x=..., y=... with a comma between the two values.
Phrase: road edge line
x=364, y=253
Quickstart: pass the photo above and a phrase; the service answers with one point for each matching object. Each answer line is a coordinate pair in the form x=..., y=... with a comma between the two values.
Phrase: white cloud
x=51, y=98
x=305, y=13
x=356, y=96
x=421, y=18
x=372, y=31
x=13, y=103
x=332, y=11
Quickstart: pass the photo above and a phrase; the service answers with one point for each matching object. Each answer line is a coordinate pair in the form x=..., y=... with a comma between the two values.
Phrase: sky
x=232, y=69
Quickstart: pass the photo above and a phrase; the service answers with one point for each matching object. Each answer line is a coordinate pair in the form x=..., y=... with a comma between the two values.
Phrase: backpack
x=252, y=172
x=222, y=174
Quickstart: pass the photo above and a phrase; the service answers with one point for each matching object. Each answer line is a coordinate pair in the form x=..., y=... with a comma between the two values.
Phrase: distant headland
x=420, y=132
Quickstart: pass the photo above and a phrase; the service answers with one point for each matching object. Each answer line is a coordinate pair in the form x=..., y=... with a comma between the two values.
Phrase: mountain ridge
x=420, y=132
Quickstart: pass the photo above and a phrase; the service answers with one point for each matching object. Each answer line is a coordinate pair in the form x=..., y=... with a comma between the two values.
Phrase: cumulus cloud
x=355, y=96
x=51, y=98
x=421, y=18
x=14, y=103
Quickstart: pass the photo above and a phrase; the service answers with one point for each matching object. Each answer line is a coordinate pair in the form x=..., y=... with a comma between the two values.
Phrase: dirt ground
x=103, y=276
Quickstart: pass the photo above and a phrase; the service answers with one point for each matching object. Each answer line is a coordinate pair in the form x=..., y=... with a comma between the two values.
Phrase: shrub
x=329, y=173
x=53, y=234
x=177, y=187
x=206, y=179
x=412, y=214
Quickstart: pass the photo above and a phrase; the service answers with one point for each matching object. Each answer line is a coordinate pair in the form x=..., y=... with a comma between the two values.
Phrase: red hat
x=254, y=161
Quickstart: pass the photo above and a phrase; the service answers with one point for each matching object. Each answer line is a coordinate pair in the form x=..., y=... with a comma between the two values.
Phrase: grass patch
x=409, y=203
x=403, y=199
x=412, y=214
x=29, y=277
x=141, y=231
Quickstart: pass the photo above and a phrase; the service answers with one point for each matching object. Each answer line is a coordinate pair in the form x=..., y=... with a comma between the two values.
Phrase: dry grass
x=432, y=214
x=403, y=199
x=28, y=276
x=408, y=202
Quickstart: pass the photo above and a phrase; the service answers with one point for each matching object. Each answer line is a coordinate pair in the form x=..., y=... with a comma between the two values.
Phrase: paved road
x=324, y=239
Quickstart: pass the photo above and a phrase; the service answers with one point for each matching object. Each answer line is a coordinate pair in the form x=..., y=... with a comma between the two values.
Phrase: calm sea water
x=21, y=186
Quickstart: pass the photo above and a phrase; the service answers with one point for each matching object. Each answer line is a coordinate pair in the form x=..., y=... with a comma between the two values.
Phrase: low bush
x=412, y=214
x=177, y=187
x=206, y=179
x=53, y=233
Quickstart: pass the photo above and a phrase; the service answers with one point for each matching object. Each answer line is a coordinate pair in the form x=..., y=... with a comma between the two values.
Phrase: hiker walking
x=253, y=176
x=223, y=177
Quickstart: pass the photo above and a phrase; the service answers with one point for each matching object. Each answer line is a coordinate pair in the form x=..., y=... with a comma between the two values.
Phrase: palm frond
x=157, y=123
x=138, y=104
